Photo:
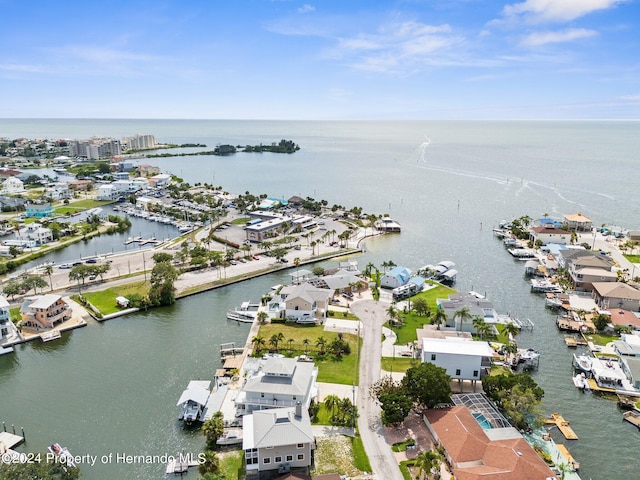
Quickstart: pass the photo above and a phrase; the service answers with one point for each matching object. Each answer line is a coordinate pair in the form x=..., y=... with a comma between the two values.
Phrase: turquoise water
x=482, y=421
x=114, y=386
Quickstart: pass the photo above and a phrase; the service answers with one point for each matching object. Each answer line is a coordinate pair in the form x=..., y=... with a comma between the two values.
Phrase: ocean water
x=448, y=183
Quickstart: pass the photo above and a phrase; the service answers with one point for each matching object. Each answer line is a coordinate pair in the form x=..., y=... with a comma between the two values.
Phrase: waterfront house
x=107, y=192
x=396, y=277
x=58, y=191
x=623, y=318
x=616, y=295
x=277, y=441
x=586, y=270
x=630, y=365
x=476, y=304
x=578, y=222
x=567, y=254
x=35, y=231
x=546, y=234
x=476, y=453
x=306, y=301
x=146, y=170
x=277, y=383
x=44, y=311
x=12, y=185
x=38, y=210
x=159, y=181
x=80, y=185
x=463, y=359
x=5, y=320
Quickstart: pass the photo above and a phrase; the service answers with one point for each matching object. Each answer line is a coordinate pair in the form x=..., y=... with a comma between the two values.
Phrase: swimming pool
x=482, y=420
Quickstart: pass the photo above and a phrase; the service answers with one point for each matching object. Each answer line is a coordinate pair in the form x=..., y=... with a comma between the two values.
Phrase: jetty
x=230, y=349
x=180, y=466
x=9, y=440
x=568, y=457
x=142, y=241
x=632, y=417
x=559, y=421
x=572, y=341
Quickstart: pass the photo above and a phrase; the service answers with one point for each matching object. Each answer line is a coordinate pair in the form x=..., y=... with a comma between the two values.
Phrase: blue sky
x=343, y=59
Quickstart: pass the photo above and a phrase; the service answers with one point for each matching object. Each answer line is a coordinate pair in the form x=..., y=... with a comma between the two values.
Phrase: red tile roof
x=475, y=457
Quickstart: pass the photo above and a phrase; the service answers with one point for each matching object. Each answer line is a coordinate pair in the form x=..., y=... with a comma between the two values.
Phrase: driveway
x=383, y=463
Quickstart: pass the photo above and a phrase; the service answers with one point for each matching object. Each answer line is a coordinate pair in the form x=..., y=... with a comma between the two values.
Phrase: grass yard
x=412, y=321
x=600, y=339
x=632, y=258
x=398, y=364
x=240, y=221
x=331, y=369
x=232, y=465
x=338, y=453
x=323, y=417
x=105, y=300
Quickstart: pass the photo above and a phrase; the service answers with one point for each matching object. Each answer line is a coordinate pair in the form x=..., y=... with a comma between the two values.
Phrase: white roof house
x=279, y=382
x=463, y=359
x=12, y=185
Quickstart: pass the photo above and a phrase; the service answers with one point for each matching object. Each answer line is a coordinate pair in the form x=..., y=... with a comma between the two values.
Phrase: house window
x=266, y=460
x=475, y=373
x=301, y=456
x=300, y=445
x=289, y=458
x=457, y=371
x=278, y=459
x=297, y=307
x=433, y=357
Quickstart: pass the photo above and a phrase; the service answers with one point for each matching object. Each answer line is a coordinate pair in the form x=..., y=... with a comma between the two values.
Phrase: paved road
x=383, y=463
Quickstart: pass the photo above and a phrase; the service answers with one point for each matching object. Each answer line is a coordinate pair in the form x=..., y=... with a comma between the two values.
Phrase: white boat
x=529, y=354
x=583, y=362
x=544, y=286
x=63, y=454
x=580, y=381
x=552, y=301
x=246, y=313
x=523, y=253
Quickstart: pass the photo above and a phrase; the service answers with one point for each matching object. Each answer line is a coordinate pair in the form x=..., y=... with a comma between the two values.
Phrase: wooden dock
x=180, y=466
x=559, y=421
x=573, y=341
x=565, y=453
x=597, y=388
x=50, y=335
x=9, y=440
x=632, y=417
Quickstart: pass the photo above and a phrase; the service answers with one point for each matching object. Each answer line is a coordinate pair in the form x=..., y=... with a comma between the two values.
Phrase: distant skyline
x=342, y=59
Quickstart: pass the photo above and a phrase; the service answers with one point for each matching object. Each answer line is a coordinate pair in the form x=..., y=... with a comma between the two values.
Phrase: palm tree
x=321, y=343
x=511, y=330
x=275, y=340
x=330, y=403
x=290, y=342
x=439, y=317
x=306, y=342
x=479, y=324
x=392, y=313
x=464, y=315
x=426, y=462
x=258, y=342
x=48, y=271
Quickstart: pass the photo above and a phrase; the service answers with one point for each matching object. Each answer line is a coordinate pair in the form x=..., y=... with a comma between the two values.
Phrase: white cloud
x=306, y=8
x=631, y=98
x=543, y=38
x=555, y=10
x=399, y=46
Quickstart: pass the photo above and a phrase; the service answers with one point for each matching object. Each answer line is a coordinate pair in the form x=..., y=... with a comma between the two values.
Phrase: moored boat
x=583, y=362
x=63, y=454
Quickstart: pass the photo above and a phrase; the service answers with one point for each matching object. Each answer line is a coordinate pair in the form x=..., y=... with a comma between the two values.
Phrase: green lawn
x=240, y=221
x=331, y=369
x=398, y=364
x=632, y=258
x=232, y=465
x=323, y=416
x=360, y=458
x=412, y=321
x=600, y=339
x=105, y=300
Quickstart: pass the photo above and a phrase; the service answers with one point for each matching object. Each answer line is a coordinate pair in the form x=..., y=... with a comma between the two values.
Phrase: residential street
x=383, y=463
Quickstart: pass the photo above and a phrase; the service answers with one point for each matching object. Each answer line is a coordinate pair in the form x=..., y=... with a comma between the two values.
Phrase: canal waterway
x=113, y=386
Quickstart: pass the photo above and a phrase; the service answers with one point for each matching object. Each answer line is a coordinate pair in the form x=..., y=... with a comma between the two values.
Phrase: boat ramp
x=559, y=421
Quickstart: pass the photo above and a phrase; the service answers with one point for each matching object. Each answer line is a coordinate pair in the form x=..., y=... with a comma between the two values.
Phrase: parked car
x=91, y=260
x=65, y=265
x=75, y=264
x=284, y=260
x=233, y=262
